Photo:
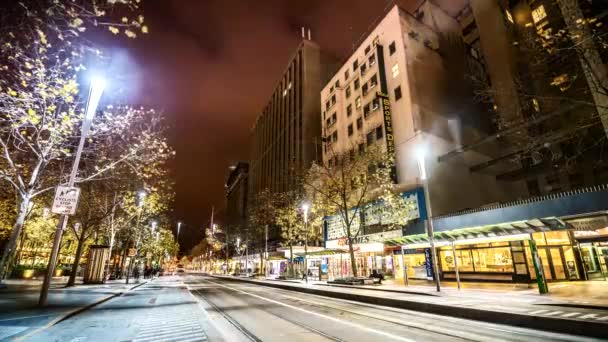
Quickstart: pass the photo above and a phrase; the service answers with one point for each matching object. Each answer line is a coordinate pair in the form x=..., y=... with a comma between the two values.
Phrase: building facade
x=237, y=188
x=544, y=89
x=286, y=135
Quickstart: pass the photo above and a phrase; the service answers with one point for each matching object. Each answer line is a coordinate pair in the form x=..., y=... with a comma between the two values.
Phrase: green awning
x=521, y=227
x=331, y=251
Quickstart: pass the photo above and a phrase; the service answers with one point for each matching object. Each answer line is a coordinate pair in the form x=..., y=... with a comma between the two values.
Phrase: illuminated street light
x=179, y=225
x=420, y=158
x=95, y=91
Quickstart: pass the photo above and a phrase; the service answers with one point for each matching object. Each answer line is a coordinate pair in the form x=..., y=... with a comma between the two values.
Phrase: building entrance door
x=553, y=262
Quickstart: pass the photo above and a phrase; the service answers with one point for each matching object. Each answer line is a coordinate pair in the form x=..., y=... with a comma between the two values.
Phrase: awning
x=333, y=251
x=499, y=230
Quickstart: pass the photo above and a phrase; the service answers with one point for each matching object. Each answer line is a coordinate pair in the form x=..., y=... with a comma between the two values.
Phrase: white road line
x=537, y=312
x=170, y=334
x=570, y=314
x=169, y=329
x=382, y=333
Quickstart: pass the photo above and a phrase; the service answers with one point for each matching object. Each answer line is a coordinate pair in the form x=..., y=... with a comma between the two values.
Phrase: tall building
x=549, y=111
x=403, y=88
x=286, y=133
x=285, y=139
x=236, y=195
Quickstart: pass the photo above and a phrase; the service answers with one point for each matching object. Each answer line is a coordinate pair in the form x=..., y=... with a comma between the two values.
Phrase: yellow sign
x=388, y=124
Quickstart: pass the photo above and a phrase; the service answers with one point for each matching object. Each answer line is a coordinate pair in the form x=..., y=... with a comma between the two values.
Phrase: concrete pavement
x=536, y=312
x=161, y=310
x=20, y=314
x=265, y=313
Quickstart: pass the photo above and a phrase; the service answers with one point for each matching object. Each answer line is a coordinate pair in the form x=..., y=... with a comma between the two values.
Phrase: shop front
x=591, y=236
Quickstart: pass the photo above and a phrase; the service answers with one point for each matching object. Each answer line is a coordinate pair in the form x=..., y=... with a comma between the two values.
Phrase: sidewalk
x=575, y=293
x=552, y=313
x=20, y=313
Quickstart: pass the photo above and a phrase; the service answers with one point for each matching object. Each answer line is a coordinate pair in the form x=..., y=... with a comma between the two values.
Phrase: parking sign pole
x=95, y=92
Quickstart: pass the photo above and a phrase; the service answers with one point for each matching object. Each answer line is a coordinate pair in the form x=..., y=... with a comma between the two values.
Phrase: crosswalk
x=171, y=327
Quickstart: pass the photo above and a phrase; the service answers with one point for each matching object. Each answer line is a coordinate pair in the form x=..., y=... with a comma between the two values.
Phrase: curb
x=581, y=328
x=75, y=312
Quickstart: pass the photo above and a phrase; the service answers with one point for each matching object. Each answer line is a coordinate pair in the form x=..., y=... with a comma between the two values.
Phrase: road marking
x=571, y=314
x=382, y=333
x=23, y=317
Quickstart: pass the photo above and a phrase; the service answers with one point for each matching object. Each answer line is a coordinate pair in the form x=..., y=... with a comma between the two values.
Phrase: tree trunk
x=77, y=256
x=9, y=251
x=351, y=251
x=291, y=258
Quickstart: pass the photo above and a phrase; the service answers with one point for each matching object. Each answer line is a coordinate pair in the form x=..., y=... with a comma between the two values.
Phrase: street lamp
x=95, y=91
x=420, y=158
x=179, y=224
x=305, y=207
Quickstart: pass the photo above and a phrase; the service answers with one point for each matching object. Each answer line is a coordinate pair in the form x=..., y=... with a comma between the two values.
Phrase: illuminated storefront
x=374, y=229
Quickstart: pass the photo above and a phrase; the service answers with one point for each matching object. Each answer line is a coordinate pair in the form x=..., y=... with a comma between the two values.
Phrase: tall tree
x=351, y=183
x=42, y=54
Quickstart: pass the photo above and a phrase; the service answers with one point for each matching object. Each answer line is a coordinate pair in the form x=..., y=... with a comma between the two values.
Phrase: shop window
x=492, y=260
x=557, y=238
x=465, y=262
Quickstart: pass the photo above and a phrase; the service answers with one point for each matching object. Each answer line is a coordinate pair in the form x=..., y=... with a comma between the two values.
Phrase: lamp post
x=179, y=225
x=238, y=249
x=95, y=91
x=141, y=195
x=420, y=157
x=305, y=208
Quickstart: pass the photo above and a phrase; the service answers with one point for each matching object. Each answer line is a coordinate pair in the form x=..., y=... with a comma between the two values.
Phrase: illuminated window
x=358, y=102
x=284, y=92
x=536, y=105
x=289, y=85
x=509, y=17
x=539, y=14
x=395, y=70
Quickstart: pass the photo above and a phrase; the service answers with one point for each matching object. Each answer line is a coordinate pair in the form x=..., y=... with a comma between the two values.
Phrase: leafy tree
x=43, y=50
x=349, y=185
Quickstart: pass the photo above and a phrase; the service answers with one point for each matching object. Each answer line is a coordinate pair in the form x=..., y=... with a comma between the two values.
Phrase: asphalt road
x=259, y=313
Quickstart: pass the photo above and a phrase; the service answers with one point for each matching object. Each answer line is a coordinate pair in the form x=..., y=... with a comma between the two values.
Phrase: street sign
x=66, y=200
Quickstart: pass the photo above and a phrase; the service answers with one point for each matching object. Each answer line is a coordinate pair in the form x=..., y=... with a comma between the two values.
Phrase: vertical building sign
x=386, y=109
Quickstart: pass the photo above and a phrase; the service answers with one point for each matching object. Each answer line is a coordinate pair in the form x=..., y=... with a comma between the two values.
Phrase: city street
x=268, y=314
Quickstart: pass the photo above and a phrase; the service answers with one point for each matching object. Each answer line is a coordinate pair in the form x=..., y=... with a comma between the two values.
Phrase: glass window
x=334, y=137
x=372, y=60
x=349, y=110
x=373, y=81
x=465, y=262
x=366, y=109
x=346, y=75
x=395, y=70
x=358, y=102
x=557, y=238
x=492, y=259
x=509, y=16
x=375, y=103
x=365, y=89
x=350, y=130
x=539, y=14
x=392, y=48
x=333, y=99
x=398, y=94
x=359, y=123
x=355, y=65
x=379, y=132
x=348, y=92
x=357, y=84
x=363, y=69
x=539, y=238
x=368, y=49
x=337, y=84
x=370, y=138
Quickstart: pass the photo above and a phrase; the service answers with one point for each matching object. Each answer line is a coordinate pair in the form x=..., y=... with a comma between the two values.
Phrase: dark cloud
x=211, y=65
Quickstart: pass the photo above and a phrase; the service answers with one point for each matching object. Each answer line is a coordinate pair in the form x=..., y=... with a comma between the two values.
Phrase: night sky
x=211, y=65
